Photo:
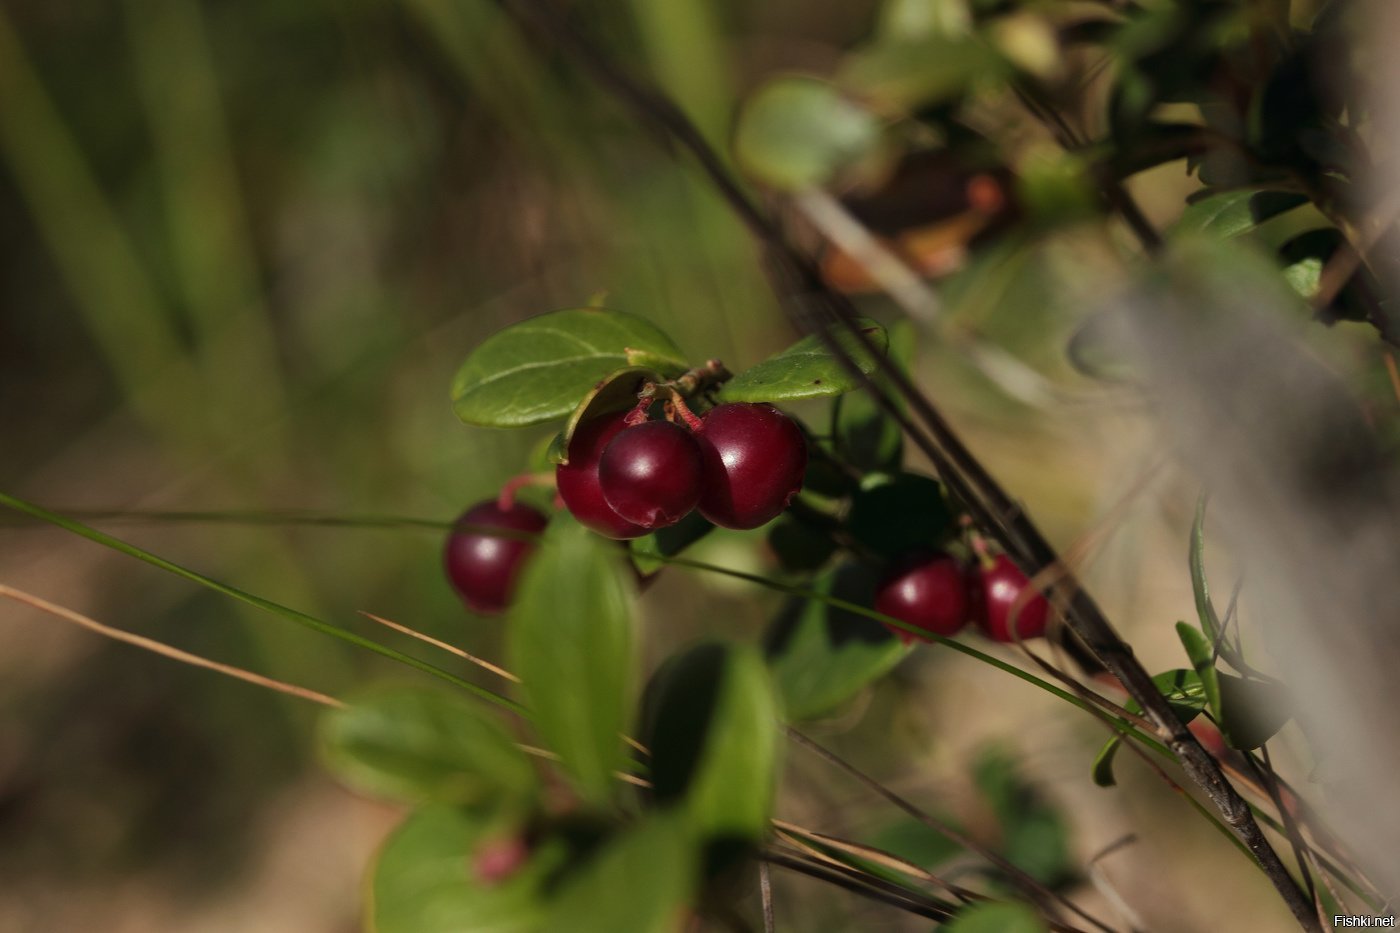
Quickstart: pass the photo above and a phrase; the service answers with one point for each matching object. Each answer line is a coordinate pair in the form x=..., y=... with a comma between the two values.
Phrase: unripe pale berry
x=929, y=591
x=754, y=457
x=650, y=474
x=578, y=479
x=483, y=567
x=998, y=590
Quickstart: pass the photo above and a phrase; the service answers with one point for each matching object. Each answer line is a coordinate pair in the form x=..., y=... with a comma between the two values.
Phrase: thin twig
x=872, y=889
x=436, y=643
x=765, y=891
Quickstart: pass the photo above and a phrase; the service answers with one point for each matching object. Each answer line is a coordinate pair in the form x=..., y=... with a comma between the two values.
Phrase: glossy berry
x=754, y=457
x=998, y=589
x=483, y=568
x=650, y=474
x=929, y=591
x=578, y=479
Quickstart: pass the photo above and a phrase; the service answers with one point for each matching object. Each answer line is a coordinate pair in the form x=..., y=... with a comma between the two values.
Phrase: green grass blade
x=294, y=615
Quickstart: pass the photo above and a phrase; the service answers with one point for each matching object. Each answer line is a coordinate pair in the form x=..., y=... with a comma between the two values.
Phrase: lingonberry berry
x=927, y=590
x=754, y=458
x=650, y=474
x=999, y=588
x=483, y=567
x=578, y=479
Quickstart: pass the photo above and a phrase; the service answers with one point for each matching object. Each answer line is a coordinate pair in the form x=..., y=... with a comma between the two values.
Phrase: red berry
x=498, y=859
x=929, y=591
x=998, y=591
x=650, y=474
x=754, y=457
x=483, y=568
x=578, y=479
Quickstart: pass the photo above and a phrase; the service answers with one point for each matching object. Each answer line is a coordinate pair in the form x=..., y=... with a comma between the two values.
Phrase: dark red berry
x=578, y=479
x=998, y=590
x=482, y=567
x=650, y=474
x=929, y=591
x=754, y=457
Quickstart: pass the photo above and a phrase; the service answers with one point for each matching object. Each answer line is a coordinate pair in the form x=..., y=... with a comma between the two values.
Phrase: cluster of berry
x=937, y=593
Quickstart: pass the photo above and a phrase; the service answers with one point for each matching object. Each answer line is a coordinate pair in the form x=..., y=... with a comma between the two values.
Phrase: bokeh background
x=243, y=247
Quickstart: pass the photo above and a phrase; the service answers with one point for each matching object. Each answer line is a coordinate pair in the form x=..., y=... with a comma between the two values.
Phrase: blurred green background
x=243, y=246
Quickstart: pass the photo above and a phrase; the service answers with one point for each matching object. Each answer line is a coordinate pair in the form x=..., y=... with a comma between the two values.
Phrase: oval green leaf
x=418, y=744
x=821, y=656
x=422, y=880
x=893, y=515
x=797, y=131
x=569, y=640
x=807, y=369
x=539, y=369
x=641, y=882
x=711, y=726
x=997, y=917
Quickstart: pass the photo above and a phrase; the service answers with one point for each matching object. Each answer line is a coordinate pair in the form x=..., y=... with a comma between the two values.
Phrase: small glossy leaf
x=822, y=656
x=641, y=882
x=997, y=917
x=711, y=726
x=1202, y=654
x=1102, y=771
x=797, y=131
x=423, y=879
x=893, y=515
x=1205, y=609
x=569, y=639
x=420, y=744
x=539, y=369
x=807, y=369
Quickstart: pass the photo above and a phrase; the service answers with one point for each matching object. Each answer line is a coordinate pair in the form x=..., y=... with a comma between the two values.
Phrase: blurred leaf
x=921, y=73
x=641, y=882
x=903, y=20
x=539, y=369
x=569, y=639
x=419, y=744
x=1034, y=834
x=800, y=546
x=711, y=726
x=918, y=843
x=822, y=656
x=423, y=880
x=863, y=434
x=1205, y=609
x=893, y=515
x=996, y=917
x=807, y=369
x=668, y=542
x=795, y=132
x=1253, y=711
x=1229, y=214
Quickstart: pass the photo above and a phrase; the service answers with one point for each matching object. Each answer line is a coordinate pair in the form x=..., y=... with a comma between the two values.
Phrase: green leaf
x=1201, y=651
x=893, y=515
x=1205, y=610
x=1184, y=692
x=800, y=545
x=822, y=656
x=864, y=435
x=807, y=369
x=668, y=542
x=539, y=369
x=418, y=744
x=918, y=843
x=996, y=917
x=1102, y=770
x=641, y=881
x=1034, y=834
x=423, y=879
x=569, y=639
x=1253, y=710
x=1230, y=214
x=710, y=723
x=918, y=74
x=796, y=131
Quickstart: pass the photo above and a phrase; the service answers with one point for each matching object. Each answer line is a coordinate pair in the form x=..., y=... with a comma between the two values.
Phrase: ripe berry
x=929, y=591
x=650, y=474
x=482, y=567
x=754, y=457
x=998, y=591
x=578, y=479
